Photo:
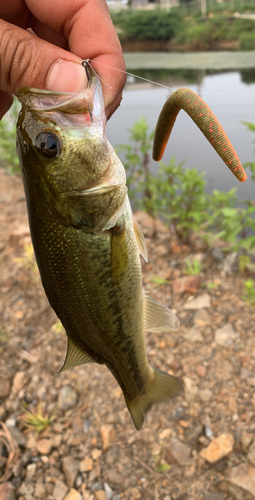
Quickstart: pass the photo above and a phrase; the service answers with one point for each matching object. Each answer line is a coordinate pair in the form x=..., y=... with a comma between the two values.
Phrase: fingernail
x=66, y=76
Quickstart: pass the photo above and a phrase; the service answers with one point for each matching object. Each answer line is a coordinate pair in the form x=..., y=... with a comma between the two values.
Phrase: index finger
x=88, y=27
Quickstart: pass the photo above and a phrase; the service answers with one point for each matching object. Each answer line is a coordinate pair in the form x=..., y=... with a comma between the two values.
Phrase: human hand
x=67, y=32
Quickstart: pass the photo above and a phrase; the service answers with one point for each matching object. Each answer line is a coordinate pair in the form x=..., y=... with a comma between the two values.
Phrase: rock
x=7, y=491
x=201, y=318
x=251, y=454
x=5, y=385
x=100, y=495
x=214, y=496
x=70, y=468
x=194, y=335
x=18, y=382
x=86, y=465
x=218, y=448
x=226, y=335
x=114, y=476
x=26, y=489
x=40, y=491
x=147, y=222
x=200, y=302
x=96, y=453
x=30, y=471
x=44, y=446
x=201, y=370
x=108, y=434
x=190, y=388
x=21, y=232
x=205, y=395
x=73, y=495
x=186, y=284
x=60, y=490
x=96, y=486
x=179, y=450
x=194, y=434
x=108, y=491
x=2, y=413
x=230, y=264
x=217, y=254
x=197, y=243
x=246, y=439
x=232, y=404
x=67, y=398
x=241, y=482
x=17, y=435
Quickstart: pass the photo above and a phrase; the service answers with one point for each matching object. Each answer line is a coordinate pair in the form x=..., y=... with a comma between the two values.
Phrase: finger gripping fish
x=87, y=242
x=205, y=119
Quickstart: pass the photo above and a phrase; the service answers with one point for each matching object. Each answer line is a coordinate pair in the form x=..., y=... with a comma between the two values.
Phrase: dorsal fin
x=75, y=356
x=140, y=239
x=157, y=317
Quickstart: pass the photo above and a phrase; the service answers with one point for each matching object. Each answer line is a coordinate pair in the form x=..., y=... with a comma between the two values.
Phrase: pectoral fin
x=157, y=317
x=140, y=239
x=75, y=356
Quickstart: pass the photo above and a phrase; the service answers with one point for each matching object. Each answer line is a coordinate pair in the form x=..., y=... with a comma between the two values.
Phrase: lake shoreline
x=190, y=60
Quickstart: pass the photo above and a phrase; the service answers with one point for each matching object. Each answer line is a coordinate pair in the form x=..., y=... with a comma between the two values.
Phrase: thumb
x=29, y=61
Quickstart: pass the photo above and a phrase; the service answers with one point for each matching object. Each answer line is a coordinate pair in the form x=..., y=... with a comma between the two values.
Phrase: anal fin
x=75, y=356
x=157, y=317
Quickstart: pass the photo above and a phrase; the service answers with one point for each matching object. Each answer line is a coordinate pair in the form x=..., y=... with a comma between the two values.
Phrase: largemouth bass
x=87, y=242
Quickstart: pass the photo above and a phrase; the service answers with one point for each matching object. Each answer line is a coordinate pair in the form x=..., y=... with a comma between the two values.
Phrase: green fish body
x=87, y=242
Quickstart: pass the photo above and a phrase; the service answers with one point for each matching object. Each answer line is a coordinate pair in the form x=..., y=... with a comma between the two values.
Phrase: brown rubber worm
x=205, y=119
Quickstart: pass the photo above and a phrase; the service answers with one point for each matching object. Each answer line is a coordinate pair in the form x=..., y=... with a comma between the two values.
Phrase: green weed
x=249, y=295
x=177, y=196
x=193, y=267
x=8, y=155
x=57, y=327
x=158, y=280
x=36, y=421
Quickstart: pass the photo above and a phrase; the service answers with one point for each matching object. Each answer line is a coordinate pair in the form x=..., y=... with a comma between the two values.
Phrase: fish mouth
x=64, y=102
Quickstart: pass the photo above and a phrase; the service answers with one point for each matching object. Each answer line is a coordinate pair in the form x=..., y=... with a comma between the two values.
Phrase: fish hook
x=85, y=64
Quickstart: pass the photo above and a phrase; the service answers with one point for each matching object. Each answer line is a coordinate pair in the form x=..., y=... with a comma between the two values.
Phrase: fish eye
x=48, y=144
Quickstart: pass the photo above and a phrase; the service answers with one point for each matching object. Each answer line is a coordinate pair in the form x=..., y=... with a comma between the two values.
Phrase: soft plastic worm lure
x=205, y=119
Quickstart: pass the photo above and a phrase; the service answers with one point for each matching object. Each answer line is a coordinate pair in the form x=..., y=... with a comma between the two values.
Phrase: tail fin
x=162, y=386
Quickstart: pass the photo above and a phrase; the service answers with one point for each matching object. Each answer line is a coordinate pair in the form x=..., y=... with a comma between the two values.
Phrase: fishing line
x=155, y=83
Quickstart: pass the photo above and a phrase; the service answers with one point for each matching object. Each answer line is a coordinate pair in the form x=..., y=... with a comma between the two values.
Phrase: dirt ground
x=198, y=447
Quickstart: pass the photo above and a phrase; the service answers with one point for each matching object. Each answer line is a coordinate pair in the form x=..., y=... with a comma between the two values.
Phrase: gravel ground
x=200, y=446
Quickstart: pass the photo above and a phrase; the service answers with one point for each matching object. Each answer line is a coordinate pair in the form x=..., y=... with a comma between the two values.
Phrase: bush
x=178, y=197
x=149, y=25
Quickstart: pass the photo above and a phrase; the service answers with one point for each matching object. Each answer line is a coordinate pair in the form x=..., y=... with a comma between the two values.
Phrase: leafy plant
x=8, y=155
x=178, y=197
x=148, y=25
x=57, y=327
x=36, y=421
x=158, y=280
x=249, y=295
x=243, y=261
x=193, y=268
